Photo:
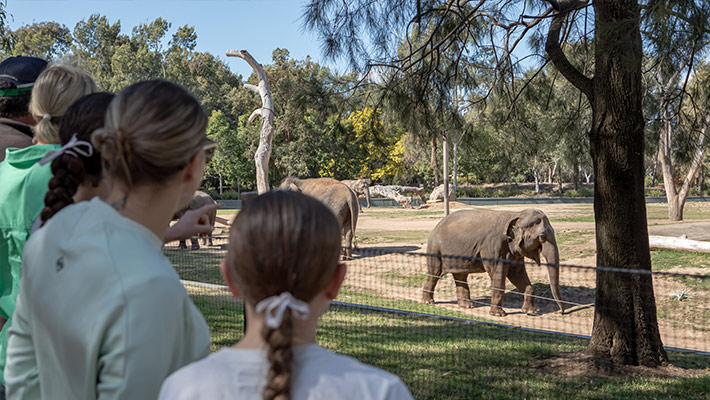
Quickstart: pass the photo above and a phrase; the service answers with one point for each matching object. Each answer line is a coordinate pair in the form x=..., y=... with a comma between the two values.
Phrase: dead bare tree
x=263, y=152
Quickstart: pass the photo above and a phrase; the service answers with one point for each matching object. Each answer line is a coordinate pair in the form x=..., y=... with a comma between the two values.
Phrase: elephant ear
x=515, y=236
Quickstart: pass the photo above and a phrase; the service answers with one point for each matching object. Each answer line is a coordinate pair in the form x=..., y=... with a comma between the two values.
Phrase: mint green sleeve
x=157, y=333
x=22, y=375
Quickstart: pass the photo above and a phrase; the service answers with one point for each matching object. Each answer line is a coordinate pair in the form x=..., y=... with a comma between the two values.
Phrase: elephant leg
x=428, y=290
x=497, y=273
x=209, y=239
x=194, y=243
x=348, y=243
x=519, y=277
x=463, y=294
x=182, y=245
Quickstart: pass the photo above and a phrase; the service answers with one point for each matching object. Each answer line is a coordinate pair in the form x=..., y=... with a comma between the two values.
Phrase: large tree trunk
x=625, y=327
x=536, y=175
x=263, y=152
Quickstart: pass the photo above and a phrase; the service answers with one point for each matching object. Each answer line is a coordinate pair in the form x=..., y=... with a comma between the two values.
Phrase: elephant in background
x=361, y=187
x=200, y=199
x=334, y=194
x=491, y=236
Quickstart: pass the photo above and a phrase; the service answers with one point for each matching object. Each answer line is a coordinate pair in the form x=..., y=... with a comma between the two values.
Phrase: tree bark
x=625, y=328
x=676, y=198
x=263, y=152
x=536, y=174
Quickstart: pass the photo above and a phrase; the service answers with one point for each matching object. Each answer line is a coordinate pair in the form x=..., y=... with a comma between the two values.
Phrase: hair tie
x=73, y=146
x=47, y=117
x=275, y=307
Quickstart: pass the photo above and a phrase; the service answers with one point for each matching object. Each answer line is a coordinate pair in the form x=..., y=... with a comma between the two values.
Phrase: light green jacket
x=23, y=184
x=101, y=312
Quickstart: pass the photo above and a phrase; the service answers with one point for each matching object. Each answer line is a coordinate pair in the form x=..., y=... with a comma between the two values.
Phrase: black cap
x=21, y=70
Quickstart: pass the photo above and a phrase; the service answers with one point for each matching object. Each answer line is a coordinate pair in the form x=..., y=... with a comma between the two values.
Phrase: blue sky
x=258, y=26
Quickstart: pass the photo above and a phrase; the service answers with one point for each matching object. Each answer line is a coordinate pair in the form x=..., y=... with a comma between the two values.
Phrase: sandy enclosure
x=400, y=277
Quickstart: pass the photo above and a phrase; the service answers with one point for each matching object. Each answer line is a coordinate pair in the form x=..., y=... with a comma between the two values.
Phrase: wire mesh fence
x=434, y=337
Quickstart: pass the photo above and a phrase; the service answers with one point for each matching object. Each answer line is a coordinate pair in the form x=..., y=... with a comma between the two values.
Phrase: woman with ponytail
x=283, y=260
x=101, y=311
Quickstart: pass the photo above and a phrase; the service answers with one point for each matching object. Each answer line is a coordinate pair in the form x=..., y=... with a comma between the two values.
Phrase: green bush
x=226, y=194
x=582, y=192
x=655, y=193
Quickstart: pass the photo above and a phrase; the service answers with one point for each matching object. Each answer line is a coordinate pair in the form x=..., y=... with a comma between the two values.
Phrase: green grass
x=398, y=213
x=440, y=359
x=663, y=260
x=227, y=211
x=576, y=218
x=661, y=212
x=197, y=265
x=405, y=280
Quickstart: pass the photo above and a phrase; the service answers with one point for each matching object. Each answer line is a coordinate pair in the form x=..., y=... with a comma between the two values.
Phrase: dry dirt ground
x=385, y=230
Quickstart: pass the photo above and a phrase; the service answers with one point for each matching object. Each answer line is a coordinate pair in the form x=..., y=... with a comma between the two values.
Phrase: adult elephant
x=495, y=242
x=199, y=200
x=334, y=194
x=361, y=187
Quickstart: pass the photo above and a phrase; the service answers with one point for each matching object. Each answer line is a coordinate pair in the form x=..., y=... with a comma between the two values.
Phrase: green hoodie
x=23, y=183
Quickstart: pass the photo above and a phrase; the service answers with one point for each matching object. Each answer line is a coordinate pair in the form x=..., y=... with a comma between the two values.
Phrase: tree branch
x=554, y=49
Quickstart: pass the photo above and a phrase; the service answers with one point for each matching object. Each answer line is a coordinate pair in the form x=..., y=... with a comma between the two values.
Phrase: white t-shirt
x=316, y=374
x=101, y=313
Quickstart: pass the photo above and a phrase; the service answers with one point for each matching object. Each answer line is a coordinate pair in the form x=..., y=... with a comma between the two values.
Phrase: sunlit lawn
x=440, y=359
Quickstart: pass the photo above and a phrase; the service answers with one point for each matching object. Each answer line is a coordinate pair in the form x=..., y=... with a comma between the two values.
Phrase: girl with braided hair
x=283, y=260
x=101, y=312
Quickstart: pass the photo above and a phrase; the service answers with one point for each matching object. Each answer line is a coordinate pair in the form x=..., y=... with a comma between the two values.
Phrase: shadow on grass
x=440, y=359
x=376, y=251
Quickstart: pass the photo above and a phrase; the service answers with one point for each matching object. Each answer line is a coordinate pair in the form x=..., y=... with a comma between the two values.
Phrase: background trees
x=513, y=121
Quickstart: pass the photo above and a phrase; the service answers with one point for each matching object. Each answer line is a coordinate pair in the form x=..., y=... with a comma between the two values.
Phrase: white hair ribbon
x=73, y=147
x=275, y=307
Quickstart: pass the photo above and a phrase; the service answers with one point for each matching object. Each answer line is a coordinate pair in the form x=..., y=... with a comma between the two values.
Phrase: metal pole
x=446, y=176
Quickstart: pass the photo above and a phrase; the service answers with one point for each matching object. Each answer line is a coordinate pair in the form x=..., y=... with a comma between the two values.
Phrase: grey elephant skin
x=490, y=236
x=200, y=199
x=361, y=187
x=334, y=194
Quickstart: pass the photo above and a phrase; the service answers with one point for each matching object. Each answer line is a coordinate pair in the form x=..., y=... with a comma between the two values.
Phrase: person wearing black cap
x=17, y=77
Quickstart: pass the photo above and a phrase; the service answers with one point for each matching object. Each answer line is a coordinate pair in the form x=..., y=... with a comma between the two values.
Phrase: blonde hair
x=152, y=130
x=56, y=88
x=279, y=242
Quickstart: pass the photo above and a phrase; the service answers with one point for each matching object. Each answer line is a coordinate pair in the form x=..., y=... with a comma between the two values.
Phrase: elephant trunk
x=367, y=196
x=552, y=256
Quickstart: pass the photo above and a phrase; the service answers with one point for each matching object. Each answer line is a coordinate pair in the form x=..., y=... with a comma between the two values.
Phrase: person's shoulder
x=62, y=226
x=381, y=384
x=203, y=379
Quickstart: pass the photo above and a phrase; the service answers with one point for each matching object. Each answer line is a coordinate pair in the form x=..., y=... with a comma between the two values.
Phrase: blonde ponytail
x=56, y=88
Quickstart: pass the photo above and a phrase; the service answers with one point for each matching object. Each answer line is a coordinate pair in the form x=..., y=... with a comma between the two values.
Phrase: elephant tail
x=353, y=215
